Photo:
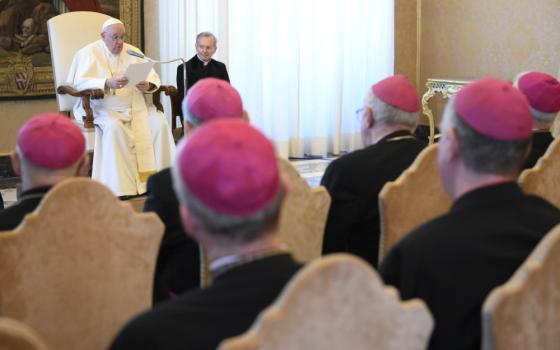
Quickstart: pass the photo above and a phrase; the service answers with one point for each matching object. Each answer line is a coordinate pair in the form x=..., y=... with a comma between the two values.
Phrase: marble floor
x=9, y=195
x=312, y=170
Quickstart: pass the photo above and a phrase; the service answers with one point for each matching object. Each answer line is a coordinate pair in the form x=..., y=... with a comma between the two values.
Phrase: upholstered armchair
x=338, y=302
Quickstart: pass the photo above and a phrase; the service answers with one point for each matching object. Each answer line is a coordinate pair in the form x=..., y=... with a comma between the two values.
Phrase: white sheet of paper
x=137, y=72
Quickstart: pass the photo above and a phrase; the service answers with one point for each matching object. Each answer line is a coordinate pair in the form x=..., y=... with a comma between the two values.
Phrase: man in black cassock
x=354, y=180
x=454, y=261
x=201, y=65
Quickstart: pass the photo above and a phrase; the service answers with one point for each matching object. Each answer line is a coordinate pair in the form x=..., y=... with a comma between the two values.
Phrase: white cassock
x=132, y=140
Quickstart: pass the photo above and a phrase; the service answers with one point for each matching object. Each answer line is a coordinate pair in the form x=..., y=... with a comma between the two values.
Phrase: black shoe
x=125, y=198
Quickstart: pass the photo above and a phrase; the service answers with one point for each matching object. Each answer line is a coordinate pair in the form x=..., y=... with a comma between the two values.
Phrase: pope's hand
x=116, y=83
x=143, y=86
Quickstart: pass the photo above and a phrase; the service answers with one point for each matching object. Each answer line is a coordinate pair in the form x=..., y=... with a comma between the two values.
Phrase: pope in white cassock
x=132, y=140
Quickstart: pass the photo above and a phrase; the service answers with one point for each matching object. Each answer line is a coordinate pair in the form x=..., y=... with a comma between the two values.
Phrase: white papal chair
x=68, y=33
x=64, y=42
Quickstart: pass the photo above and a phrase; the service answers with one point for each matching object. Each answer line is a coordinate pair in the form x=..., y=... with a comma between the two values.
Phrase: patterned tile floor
x=311, y=170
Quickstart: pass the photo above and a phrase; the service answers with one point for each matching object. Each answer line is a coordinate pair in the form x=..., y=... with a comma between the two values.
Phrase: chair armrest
x=170, y=91
x=86, y=96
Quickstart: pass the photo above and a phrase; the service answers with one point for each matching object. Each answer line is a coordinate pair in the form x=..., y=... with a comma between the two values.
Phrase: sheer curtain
x=302, y=66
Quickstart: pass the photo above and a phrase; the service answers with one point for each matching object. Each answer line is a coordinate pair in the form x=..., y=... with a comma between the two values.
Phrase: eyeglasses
x=359, y=113
x=116, y=37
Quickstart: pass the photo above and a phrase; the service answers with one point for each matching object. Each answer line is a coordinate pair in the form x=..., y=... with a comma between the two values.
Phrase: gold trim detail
x=145, y=175
x=129, y=13
x=446, y=87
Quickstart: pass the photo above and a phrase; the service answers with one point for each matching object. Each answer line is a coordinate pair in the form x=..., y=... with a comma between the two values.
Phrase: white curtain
x=302, y=66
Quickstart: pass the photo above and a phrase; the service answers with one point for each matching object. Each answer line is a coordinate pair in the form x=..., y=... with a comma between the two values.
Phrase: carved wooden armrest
x=170, y=91
x=86, y=96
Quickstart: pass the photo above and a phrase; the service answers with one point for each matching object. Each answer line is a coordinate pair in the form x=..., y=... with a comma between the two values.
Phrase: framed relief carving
x=25, y=60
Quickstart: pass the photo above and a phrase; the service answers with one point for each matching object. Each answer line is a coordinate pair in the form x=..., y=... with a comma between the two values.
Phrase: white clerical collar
x=223, y=261
x=203, y=62
x=230, y=261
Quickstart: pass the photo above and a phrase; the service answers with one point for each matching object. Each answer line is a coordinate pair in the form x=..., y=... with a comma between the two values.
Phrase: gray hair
x=483, y=154
x=538, y=116
x=542, y=117
x=206, y=35
x=232, y=228
x=390, y=115
x=188, y=115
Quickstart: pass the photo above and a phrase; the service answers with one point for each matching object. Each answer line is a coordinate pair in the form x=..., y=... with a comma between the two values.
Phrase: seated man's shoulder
x=11, y=217
x=184, y=305
x=378, y=153
x=400, y=153
x=161, y=177
x=161, y=195
x=454, y=227
x=361, y=163
x=542, y=206
x=417, y=146
x=350, y=160
x=201, y=318
x=424, y=243
x=540, y=213
x=431, y=235
x=166, y=324
x=282, y=266
x=193, y=61
x=347, y=170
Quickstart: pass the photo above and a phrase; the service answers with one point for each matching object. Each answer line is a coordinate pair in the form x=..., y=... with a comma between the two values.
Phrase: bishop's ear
x=453, y=143
x=369, y=118
x=16, y=163
x=189, y=222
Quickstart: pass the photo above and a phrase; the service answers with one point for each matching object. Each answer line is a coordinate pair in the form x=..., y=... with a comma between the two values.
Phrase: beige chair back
x=414, y=198
x=80, y=266
x=15, y=335
x=555, y=128
x=338, y=302
x=68, y=33
x=544, y=178
x=304, y=214
x=524, y=313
